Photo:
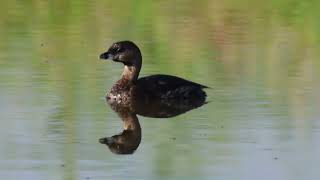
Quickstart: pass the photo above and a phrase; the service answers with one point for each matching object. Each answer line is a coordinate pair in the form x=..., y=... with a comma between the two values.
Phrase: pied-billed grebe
x=150, y=87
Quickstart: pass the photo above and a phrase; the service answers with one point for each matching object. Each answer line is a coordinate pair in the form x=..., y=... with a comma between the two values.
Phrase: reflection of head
x=125, y=143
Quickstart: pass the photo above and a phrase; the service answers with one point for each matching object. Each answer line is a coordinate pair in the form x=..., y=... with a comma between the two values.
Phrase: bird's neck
x=131, y=122
x=131, y=72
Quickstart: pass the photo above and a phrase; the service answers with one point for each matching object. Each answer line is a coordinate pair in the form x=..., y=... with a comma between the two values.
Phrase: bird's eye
x=120, y=49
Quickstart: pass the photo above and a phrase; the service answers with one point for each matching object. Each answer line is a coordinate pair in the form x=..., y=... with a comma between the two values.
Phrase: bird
x=160, y=87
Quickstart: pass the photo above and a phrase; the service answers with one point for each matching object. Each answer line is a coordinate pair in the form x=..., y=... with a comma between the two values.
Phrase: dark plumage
x=150, y=87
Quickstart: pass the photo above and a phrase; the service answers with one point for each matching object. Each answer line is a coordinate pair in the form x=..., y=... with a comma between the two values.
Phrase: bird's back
x=166, y=86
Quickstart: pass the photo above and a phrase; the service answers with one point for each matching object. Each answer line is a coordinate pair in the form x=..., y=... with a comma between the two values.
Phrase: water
x=261, y=60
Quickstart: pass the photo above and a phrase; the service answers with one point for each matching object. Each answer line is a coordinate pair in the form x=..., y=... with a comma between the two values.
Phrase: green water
x=261, y=60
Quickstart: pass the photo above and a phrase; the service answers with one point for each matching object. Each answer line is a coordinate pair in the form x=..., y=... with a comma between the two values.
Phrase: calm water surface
x=262, y=64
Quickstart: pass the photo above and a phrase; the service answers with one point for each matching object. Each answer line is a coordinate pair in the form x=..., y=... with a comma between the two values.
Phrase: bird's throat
x=130, y=73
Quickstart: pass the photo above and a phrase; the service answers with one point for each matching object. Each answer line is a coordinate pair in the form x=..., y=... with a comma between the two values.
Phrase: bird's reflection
x=129, y=139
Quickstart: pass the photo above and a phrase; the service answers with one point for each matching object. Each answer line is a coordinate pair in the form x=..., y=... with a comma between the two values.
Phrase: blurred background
x=260, y=58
